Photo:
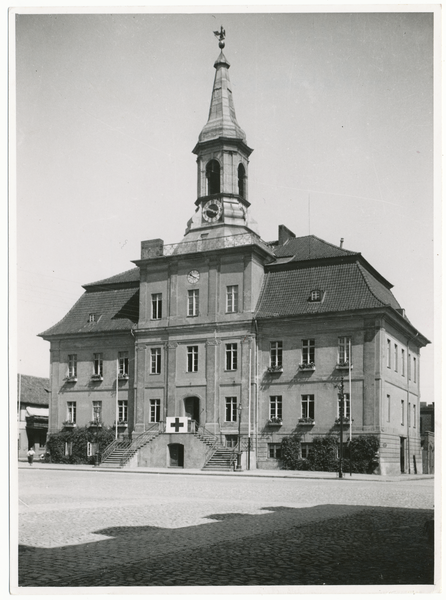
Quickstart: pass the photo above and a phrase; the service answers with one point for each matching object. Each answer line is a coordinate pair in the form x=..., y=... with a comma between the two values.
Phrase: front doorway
x=192, y=408
x=176, y=455
x=403, y=454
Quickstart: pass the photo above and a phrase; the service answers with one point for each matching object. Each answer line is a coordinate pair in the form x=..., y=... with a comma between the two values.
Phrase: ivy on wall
x=77, y=439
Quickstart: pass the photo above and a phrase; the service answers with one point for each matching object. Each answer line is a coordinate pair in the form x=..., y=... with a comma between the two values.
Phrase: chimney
x=342, y=241
x=152, y=248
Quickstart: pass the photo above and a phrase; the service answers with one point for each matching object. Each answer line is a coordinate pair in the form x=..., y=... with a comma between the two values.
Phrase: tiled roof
x=310, y=247
x=114, y=309
x=345, y=287
x=127, y=277
x=33, y=390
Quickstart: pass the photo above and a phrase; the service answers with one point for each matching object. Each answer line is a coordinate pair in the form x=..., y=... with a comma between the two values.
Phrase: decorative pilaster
x=171, y=408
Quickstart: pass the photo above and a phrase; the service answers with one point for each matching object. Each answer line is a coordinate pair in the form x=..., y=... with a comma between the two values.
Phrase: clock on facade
x=193, y=276
x=212, y=211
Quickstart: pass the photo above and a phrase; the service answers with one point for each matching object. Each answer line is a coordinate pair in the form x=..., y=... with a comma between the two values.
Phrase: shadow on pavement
x=320, y=545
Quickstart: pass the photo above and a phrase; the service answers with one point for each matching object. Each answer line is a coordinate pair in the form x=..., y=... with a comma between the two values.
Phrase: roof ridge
x=110, y=279
x=330, y=244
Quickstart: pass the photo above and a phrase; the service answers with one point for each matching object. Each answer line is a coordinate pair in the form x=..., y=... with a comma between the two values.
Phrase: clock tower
x=222, y=164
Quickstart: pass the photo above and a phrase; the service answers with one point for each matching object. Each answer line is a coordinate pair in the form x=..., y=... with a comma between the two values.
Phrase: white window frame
x=403, y=409
x=157, y=306
x=155, y=410
x=403, y=362
x=414, y=369
x=72, y=365
x=395, y=357
x=71, y=412
x=347, y=413
x=388, y=407
x=155, y=361
x=96, y=404
x=192, y=359
x=98, y=364
x=344, y=343
x=307, y=406
x=276, y=355
x=232, y=298
x=389, y=354
x=231, y=357
x=123, y=359
x=193, y=297
x=123, y=411
x=231, y=409
x=308, y=351
x=275, y=407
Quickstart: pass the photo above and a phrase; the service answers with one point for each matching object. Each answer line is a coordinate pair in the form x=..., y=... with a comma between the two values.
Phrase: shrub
x=290, y=452
x=78, y=437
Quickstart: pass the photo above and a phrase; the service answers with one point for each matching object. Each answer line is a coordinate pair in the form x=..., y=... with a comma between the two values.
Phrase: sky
x=337, y=106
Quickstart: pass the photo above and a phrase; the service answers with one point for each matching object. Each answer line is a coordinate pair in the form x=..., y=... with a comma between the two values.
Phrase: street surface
x=102, y=529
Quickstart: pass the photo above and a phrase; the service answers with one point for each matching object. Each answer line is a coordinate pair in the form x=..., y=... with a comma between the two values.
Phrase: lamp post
x=239, y=453
x=96, y=422
x=341, y=419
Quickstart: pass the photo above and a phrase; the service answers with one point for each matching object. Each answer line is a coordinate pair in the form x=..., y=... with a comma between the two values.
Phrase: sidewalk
x=277, y=473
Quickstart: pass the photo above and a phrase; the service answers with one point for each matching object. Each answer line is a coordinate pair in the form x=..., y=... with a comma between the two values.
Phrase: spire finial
x=221, y=36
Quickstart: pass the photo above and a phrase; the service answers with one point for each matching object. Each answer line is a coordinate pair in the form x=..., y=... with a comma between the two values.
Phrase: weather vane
x=221, y=36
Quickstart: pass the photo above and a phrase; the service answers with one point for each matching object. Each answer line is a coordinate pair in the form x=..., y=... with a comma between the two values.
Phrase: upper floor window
x=344, y=344
x=388, y=408
x=192, y=303
x=275, y=355
x=231, y=409
x=157, y=306
x=408, y=414
x=414, y=415
x=71, y=412
x=123, y=411
x=409, y=374
x=192, y=359
x=388, y=354
x=123, y=359
x=97, y=411
x=231, y=357
x=155, y=361
x=402, y=412
x=213, y=177
x=241, y=173
x=403, y=363
x=307, y=406
x=98, y=365
x=275, y=408
x=72, y=365
x=414, y=369
x=232, y=298
x=395, y=357
x=307, y=352
x=155, y=410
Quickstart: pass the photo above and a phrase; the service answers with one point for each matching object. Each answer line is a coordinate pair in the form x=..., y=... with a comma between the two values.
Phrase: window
x=307, y=352
x=275, y=359
x=344, y=351
x=123, y=410
x=408, y=366
x=346, y=414
x=155, y=410
x=408, y=414
x=71, y=412
x=155, y=361
x=232, y=298
x=72, y=366
x=414, y=415
x=91, y=318
x=192, y=359
x=403, y=363
x=231, y=357
x=192, y=303
x=275, y=407
x=307, y=404
x=157, y=306
x=316, y=296
x=97, y=410
x=388, y=408
x=402, y=412
x=68, y=448
x=395, y=357
x=388, y=354
x=305, y=449
x=241, y=180
x=231, y=409
x=231, y=441
x=123, y=364
x=414, y=369
x=98, y=365
x=274, y=450
x=213, y=177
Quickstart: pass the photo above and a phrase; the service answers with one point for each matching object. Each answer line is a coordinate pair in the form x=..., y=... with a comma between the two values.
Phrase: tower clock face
x=193, y=276
x=212, y=211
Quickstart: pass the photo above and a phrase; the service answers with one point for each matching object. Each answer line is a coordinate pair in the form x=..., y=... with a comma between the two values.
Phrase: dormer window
x=91, y=318
x=316, y=296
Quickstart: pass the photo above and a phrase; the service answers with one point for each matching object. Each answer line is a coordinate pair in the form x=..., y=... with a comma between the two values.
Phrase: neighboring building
x=32, y=413
x=223, y=334
x=427, y=435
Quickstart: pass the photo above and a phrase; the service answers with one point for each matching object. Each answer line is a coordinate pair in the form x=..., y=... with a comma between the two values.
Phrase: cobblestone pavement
x=94, y=529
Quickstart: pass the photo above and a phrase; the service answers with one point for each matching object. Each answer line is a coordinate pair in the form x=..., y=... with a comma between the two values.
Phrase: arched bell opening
x=241, y=173
x=213, y=177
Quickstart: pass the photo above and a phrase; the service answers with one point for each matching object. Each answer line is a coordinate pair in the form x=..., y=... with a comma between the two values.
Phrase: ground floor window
x=274, y=450
x=231, y=441
x=68, y=448
x=305, y=449
x=155, y=411
x=123, y=410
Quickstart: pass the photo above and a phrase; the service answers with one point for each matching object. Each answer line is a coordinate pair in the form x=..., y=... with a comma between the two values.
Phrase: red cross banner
x=176, y=424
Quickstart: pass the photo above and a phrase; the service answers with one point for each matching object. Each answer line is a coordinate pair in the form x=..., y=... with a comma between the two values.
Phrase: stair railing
x=138, y=442
x=108, y=450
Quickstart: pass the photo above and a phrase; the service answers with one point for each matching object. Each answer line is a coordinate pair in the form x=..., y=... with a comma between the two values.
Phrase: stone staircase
x=221, y=460
x=122, y=452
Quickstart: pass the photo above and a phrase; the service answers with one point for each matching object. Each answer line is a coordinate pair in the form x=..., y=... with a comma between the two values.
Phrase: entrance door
x=176, y=452
x=192, y=408
x=403, y=454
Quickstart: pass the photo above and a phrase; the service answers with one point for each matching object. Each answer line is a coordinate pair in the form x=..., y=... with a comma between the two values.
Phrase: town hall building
x=211, y=350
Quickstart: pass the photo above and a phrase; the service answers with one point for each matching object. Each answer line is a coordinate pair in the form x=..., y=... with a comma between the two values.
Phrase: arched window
x=241, y=180
x=213, y=177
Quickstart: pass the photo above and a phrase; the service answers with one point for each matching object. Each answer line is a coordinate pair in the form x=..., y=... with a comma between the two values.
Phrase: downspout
x=256, y=420
x=408, y=370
